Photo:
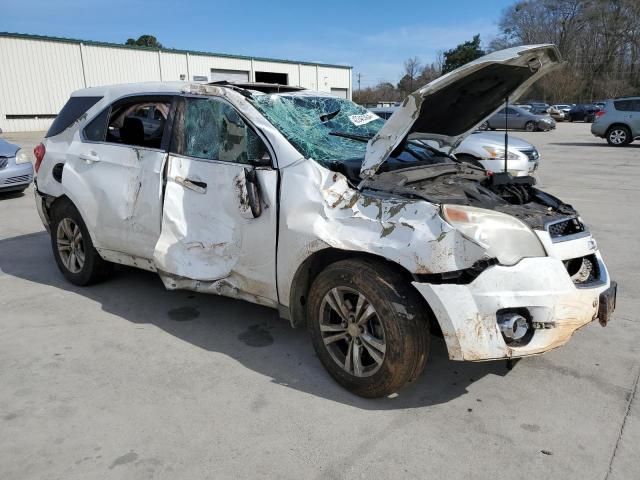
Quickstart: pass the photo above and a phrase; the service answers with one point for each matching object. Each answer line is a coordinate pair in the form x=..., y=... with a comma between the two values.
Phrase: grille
x=566, y=227
x=3, y=162
x=532, y=154
x=20, y=179
x=584, y=271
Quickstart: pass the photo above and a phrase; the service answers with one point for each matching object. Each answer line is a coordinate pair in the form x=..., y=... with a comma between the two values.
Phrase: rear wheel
x=368, y=327
x=484, y=126
x=530, y=126
x=619, y=136
x=73, y=249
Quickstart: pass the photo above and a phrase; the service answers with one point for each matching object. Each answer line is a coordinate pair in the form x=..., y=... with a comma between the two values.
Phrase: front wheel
x=73, y=249
x=368, y=327
x=530, y=126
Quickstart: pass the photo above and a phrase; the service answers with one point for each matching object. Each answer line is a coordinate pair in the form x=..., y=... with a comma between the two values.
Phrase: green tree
x=145, y=41
x=463, y=53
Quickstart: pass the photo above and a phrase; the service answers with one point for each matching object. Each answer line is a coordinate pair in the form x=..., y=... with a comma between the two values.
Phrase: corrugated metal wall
x=38, y=75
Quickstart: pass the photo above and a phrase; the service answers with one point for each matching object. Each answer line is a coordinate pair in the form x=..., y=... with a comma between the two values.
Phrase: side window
x=72, y=110
x=623, y=105
x=137, y=122
x=511, y=111
x=96, y=130
x=211, y=129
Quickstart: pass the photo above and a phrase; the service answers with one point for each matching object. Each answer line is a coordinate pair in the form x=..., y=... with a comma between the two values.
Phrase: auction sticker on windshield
x=363, y=119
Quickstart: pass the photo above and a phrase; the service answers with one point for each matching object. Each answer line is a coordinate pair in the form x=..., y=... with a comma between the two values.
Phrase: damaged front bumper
x=540, y=287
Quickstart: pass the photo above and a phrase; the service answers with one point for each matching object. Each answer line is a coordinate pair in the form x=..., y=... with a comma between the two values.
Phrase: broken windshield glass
x=326, y=129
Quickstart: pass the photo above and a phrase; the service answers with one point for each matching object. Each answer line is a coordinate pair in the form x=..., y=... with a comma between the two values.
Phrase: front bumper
x=467, y=314
x=16, y=176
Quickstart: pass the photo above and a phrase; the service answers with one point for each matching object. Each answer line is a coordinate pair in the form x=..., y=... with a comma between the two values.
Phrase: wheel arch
x=315, y=263
x=618, y=124
x=55, y=202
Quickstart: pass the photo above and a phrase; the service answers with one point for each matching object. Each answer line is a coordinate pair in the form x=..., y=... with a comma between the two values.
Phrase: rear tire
x=484, y=126
x=619, y=136
x=369, y=327
x=530, y=126
x=73, y=249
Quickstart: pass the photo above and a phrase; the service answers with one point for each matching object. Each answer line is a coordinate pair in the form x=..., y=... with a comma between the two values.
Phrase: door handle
x=195, y=185
x=90, y=157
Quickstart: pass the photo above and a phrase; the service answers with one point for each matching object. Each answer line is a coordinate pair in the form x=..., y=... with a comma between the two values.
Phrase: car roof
x=122, y=89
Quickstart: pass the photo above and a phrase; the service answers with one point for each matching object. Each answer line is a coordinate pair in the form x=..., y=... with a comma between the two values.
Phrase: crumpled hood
x=452, y=106
x=8, y=149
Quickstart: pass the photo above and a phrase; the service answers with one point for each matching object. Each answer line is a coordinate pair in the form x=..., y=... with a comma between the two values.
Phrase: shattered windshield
x=326, y=129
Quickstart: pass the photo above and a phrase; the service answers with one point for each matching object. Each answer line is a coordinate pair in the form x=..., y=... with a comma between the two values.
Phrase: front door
x=220, y=213
x=114, y=174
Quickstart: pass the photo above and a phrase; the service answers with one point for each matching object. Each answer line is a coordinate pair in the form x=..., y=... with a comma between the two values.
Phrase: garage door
x=218, y=74
x=340, y=92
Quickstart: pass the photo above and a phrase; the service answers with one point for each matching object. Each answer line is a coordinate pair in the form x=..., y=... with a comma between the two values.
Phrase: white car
x=308, y=203
x=487, y=150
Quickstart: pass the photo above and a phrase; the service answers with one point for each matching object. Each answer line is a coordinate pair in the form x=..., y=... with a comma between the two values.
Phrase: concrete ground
x=127, y=380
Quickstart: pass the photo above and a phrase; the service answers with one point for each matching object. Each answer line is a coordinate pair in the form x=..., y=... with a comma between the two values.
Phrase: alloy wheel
x=618, y=136
x=352, y=331
x=70, y=245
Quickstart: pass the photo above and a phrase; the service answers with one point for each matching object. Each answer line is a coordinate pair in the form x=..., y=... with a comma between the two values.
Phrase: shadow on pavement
x=253, y=335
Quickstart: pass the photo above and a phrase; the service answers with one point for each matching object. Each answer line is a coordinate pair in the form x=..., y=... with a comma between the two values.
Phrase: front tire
x=619, y=136
x=368, y=327
x=73, y=249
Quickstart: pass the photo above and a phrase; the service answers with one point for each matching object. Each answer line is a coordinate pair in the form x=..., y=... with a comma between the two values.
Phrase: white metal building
x=37, y=74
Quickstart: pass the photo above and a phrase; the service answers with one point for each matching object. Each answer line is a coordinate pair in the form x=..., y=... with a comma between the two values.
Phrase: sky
x=374, y=37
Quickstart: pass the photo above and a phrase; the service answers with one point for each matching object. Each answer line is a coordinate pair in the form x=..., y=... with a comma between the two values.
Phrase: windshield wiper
x=352, y=136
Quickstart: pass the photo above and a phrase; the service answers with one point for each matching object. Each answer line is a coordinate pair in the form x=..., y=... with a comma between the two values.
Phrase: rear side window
x=627, y=105
x=135, y=121
x=72, y=110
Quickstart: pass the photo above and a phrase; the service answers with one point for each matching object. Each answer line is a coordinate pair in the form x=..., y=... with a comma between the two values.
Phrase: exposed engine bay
x=468, y=185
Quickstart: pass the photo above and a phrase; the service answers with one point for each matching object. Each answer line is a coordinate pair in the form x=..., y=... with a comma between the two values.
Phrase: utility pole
x=359, y=75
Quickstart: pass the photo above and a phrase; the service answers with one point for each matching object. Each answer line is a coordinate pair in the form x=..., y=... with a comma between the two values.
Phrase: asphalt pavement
x=127, y=380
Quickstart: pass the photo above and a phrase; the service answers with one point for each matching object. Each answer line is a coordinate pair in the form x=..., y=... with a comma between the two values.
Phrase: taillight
x=39, y=152
x=600, y=113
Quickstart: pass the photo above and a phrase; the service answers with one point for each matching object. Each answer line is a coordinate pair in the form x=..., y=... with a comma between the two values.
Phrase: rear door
x=219, y=217
x=634, y=117
x=113, y=173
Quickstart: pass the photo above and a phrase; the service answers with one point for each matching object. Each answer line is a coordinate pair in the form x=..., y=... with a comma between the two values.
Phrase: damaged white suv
x=308, y=203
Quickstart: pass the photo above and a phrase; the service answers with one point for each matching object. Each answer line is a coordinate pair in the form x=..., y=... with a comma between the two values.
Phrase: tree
x=412, y=69
x=144, y=41
x=462, y=54
x=599, y=40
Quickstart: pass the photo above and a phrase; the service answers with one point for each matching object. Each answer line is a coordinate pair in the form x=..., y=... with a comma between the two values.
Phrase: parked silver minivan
x=619, y=121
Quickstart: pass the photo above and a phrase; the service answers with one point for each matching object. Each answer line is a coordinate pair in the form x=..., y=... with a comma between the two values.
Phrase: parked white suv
x=308, y=203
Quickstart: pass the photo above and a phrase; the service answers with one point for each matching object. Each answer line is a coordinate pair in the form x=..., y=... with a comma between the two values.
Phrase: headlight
x=22, y=157
x=503, y=237
x=497, y=153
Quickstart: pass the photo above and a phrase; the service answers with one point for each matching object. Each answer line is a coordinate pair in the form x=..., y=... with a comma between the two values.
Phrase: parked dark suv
x=618, y=121
x=582, y=113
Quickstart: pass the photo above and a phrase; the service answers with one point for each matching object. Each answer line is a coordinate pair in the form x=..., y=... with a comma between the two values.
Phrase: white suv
x=308, y=203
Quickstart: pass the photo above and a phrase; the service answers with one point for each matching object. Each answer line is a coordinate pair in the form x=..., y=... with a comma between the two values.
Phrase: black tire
x=569, y=118
x=93, y=268
x=484, y=126
x=530, y=126
x=619, y=136
x=400, y=318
